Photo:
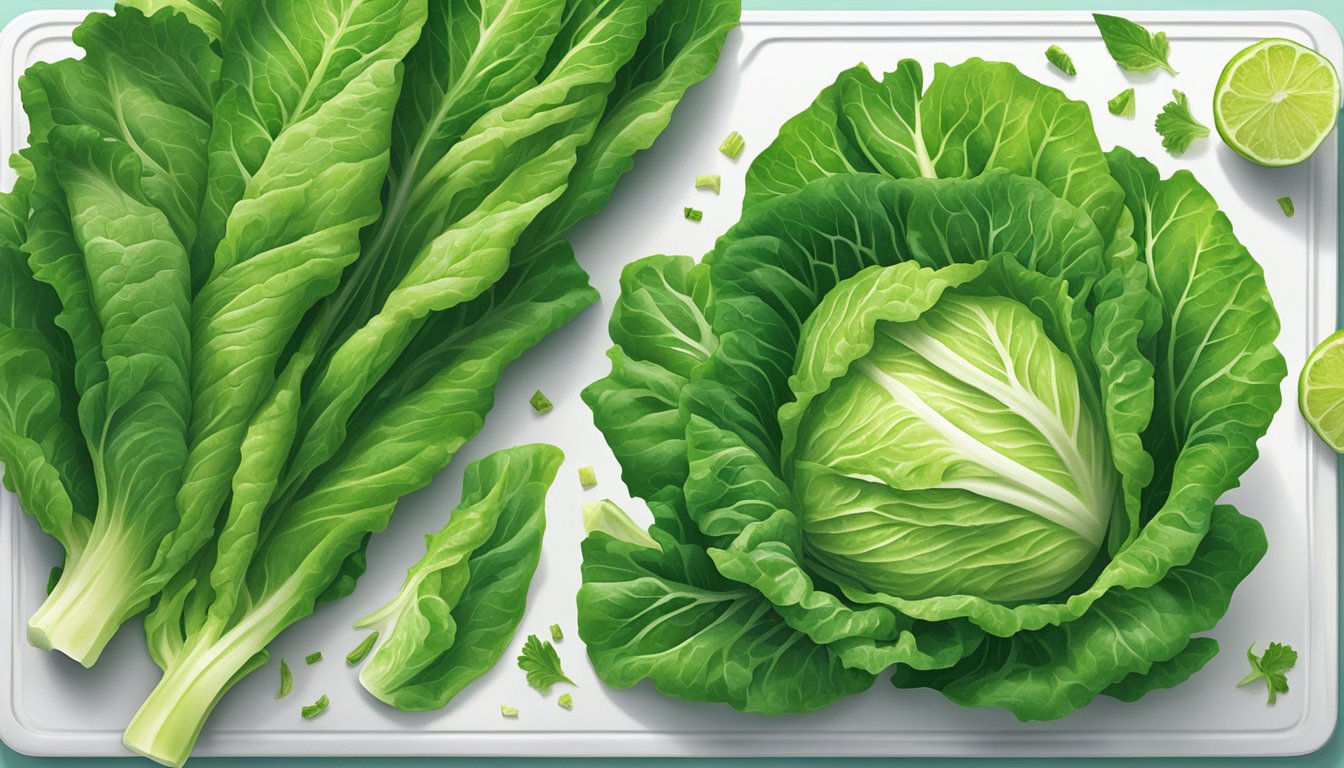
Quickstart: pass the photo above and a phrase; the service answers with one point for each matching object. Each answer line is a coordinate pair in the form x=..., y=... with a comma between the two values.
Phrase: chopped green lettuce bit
x=286, y=680
x=557, y=634
x=606, y=517
x=1134, y=48
x=1177, y=126
x=56, y=572
x=313, y=658
x=1062, y=61
x=316, y=708
x=1123, y=103
x=693, y=214
x=542, y=664
x=1273, y=667
x=566, y=701
x=507, y=711
x=733, y=145
x=361, y=650
x=540, y=402
x=710, y=181
x=1286, y=203
x=587, y=477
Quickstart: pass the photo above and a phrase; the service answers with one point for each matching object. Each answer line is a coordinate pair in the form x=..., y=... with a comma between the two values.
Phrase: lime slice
x=1320, y=391
x=1276, y=101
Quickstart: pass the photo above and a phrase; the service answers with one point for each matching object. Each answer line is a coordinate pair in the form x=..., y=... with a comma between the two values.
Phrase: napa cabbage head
x=954, y=401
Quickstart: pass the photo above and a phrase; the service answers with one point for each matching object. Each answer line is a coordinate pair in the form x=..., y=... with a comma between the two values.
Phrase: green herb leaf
x=1134, y=48
x=540, y=402
x=1286, y=203
x=587, y=477
x=692, y=214
x=286, y=680
x=1062, y=61
x=542, y=664
x=712, y=182
x=1273, y=667
x=1123, y=103
x=566, y=701
x=316, y=708
x=313, y=658
x=556, y=633
x=507, y=711
x=733, y=145
x=361, y=650
x=1178, y=126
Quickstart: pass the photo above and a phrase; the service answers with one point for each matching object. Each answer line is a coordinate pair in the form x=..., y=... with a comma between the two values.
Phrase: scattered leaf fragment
x=361, y=650
x=1123, y=103
x=587, y=477
x=313, y=658
x=1134, y=48
x=556, y=633
x=1062, y=61
x=1273, y=667
x=542, y=664
x=507, y=711
x=1286, y=203
x=286, y=680
x=540, y=402
x=316, y=708
x=710, y=181
x=692, y=214
x=566, y=701
x=1177, y=126
x=733, y=145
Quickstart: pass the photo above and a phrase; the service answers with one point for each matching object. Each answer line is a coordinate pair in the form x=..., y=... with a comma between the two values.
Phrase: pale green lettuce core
x=956, y=456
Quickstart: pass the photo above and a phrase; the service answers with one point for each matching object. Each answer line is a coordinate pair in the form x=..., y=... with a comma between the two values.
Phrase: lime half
x=1320, y=391
x=1276, y=101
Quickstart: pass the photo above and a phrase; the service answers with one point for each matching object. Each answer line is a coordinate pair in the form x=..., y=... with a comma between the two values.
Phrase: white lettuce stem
x=167, y=725
x=89, y=603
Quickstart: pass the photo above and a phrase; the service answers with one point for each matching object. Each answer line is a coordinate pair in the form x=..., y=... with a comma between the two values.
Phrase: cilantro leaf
x=542, y=664
x=1273, y=667
x=1178, y=126
x=1134, y=48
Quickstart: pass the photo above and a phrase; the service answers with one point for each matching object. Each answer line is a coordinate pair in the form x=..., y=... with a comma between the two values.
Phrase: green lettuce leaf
x=457, y=611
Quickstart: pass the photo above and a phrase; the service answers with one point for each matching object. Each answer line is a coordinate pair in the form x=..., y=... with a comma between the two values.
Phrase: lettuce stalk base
x=88, y=605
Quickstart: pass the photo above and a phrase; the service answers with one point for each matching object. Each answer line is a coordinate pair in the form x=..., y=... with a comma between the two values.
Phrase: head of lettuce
x=955, y=399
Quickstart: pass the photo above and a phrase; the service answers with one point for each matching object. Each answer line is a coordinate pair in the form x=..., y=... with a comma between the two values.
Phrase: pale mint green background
x=1331, y=756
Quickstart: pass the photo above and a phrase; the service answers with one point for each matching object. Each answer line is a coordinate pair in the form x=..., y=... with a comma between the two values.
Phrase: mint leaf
x=1134, y=48
x=542, y=664
x=1177, y=126
x=1273, y=667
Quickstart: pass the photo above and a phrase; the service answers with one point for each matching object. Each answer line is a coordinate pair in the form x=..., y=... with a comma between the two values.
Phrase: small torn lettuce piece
x=361, y=650
x=557, y=634
x=692, y=214
x=733, y=145
x=1286, y=203
x=566, y=701
x=1123, y=103
x=1062, y=61
x=316, y=708
x=587, y=477
x=712, y=182
x=286, y=680
x=313, y=658
x=540, y=402
x=542, y=664
x=1178, y=126
x=507, y=711
x=458, y=609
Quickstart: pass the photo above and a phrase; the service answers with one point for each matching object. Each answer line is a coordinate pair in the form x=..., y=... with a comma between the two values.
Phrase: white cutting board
x=772, y=68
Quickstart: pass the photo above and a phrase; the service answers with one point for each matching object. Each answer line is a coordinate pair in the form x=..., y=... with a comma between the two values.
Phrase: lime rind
x=1320, y=391
x=1276, y=102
